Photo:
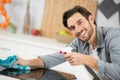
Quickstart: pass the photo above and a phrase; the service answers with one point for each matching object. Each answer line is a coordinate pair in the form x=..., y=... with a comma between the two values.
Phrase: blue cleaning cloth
x=9, y=61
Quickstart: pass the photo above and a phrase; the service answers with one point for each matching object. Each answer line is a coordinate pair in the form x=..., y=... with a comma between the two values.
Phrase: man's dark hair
x=84, y=12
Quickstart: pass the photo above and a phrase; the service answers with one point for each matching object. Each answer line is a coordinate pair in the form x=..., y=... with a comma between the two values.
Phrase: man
x=95, y=47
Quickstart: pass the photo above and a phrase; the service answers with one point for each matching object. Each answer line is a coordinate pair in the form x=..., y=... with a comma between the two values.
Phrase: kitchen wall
x=21, y=10
x=112, y=19
x=17, y=10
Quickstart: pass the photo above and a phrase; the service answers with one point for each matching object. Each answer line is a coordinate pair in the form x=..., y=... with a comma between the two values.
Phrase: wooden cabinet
x=53, y=12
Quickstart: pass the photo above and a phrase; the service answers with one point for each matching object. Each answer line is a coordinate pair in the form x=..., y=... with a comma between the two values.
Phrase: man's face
x=80, y=26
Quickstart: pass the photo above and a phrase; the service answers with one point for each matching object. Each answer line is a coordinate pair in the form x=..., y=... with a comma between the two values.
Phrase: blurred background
x=45, y=16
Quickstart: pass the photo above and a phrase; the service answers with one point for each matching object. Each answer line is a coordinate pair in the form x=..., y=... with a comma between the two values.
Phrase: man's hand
x=75, y=58
x=33, y=63
x=20, y=61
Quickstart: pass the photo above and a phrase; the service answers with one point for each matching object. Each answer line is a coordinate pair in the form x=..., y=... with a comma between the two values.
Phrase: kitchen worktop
x=30, y=39
x=28, y=45
x=35, y=74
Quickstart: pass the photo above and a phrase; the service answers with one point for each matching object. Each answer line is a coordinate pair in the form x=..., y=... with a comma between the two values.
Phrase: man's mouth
x=82, y=33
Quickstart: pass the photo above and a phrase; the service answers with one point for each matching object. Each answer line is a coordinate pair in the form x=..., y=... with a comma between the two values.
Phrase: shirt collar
x=100, y=37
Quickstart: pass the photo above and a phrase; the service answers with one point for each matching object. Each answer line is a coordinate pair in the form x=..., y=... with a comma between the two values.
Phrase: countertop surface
x=36, y=74
x=30, y=39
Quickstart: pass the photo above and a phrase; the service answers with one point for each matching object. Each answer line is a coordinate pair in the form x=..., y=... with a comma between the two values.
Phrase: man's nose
x=76, y=29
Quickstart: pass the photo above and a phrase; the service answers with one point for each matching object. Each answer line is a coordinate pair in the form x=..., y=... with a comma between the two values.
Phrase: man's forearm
x=35, y=63
x=91, y=62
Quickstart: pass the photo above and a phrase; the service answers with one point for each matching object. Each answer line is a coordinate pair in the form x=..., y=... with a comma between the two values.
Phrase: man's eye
x=79, y=22
x=71, y=28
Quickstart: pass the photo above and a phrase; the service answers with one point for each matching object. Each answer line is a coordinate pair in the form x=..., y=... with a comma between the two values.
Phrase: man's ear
x=91, y=19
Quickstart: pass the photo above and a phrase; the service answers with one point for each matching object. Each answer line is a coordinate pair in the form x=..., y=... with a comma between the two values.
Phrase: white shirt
x=94, y=53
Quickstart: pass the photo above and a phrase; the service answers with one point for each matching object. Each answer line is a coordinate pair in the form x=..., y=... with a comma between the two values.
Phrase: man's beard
x=89, y=34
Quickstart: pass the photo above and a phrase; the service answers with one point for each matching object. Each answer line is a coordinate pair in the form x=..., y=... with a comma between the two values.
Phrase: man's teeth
x=83, y=32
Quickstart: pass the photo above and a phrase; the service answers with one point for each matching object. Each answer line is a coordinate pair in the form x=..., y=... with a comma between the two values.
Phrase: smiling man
x=95, y=47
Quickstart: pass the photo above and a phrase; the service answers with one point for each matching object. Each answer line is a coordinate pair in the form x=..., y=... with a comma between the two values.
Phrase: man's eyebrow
x=79, y=20
x=71, y=26
x=75, y=23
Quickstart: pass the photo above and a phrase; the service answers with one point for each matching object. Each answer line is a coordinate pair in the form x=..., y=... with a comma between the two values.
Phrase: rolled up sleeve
x=52, y=59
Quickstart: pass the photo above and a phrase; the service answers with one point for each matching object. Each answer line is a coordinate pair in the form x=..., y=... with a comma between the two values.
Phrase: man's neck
x=93, y=40
x=94, y=45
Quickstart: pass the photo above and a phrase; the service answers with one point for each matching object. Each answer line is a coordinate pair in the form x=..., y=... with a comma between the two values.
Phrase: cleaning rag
x=9, y=61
